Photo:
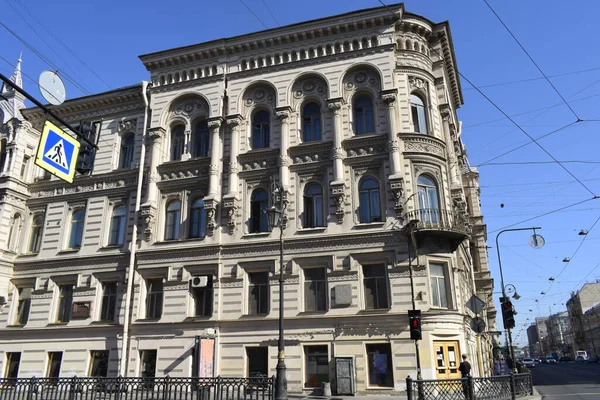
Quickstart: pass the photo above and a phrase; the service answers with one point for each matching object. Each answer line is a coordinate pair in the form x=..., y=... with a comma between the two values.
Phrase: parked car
x=529, y=363
x=551, y=360
x=592, y=359
x=579, y=359
x=543, y=360
x=565, y=359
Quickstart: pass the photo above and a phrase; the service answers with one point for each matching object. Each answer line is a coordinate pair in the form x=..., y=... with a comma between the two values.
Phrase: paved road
x=569, y=381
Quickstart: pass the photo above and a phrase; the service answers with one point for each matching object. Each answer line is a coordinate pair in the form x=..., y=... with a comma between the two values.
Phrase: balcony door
x=429, y=204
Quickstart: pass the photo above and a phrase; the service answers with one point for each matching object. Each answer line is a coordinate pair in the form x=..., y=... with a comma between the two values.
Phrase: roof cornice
x=309, y=30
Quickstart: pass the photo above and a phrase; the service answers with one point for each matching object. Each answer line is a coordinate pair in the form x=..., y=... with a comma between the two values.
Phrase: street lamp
x=511, y=289
x=275, y=217
x=535, y=244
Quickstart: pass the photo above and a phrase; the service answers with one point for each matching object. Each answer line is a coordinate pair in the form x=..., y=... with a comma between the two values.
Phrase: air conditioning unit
x=198, y=281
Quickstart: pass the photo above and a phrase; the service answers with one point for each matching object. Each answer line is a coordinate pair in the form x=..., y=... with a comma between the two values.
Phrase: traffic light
x=87, y=153
x=508, y=314
x=414, y=321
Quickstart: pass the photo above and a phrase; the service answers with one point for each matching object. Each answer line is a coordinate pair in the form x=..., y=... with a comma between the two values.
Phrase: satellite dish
x=536, y=241
x=52, y=88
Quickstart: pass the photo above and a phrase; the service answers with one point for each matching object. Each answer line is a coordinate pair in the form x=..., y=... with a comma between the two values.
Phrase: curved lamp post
x=512, y=351
x=275, y=217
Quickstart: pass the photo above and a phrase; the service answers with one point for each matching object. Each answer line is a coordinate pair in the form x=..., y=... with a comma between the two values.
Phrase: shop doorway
x=447, y=360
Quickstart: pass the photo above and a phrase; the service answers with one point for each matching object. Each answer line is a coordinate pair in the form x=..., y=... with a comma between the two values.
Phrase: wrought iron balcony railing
x=438, y=220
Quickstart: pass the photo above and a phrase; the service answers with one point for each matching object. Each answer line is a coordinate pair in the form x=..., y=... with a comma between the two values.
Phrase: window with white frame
x=315, y=289
x=35, y=236
x=201, y=139
x=261, y=127
x=172, y=220
x=23, y=305
x=15, y=232
x=154, y=298
x=202, y=294
x=127, y=150
x=53, y=366
x=76, y=228
x=418, y=113
x=439, y=286
x=429, y=204
x=118, y=222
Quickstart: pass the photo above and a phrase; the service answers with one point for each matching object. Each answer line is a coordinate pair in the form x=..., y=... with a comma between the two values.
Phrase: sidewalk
x=397, y=395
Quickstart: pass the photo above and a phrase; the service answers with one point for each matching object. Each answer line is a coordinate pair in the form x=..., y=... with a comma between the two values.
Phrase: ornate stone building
x=354, y=116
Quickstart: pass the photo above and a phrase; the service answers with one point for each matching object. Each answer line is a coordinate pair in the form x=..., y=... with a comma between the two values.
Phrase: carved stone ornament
x=259, y=95
x=397, y=189
x=338, y=191
x=230, y=207
x=188, y=108
x=128, y=125
x=156, y=134
x=309, y=87
x=210, y=205
x=417, y=83
x=361, y=79
x=147, y=221
x=214, y=124
x=388, y=97
x=335, y=105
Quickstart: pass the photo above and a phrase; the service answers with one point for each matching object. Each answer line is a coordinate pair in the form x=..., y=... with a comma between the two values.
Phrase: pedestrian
x=465, y=372
x=498, y=365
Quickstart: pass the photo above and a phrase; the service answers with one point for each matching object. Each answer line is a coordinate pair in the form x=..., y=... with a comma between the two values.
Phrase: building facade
x=581, y=308
x=559, y=329
x=164, y=250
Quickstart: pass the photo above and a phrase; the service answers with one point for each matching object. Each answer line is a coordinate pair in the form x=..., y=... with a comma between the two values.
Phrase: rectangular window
x=109, y=301
x=148, y=363
x=316, y=360
x=439, y=296
x=258, y=293
x=258, y=361
x=203, y=296
x=154, y=299
x=315, y=289
x=376, y=288
x=13, y=360
x=24, y=305
x=54, y=361
x=24, y=166
x=380, y=365
x=65, y=303
x=99, y=364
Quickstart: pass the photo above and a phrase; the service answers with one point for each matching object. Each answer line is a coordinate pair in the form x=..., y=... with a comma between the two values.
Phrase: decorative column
x=450, y=152
x=211, y=201
x=283, y=114
x=230, y=200
x=338, y=185
x=395, y=179
x=148, y=209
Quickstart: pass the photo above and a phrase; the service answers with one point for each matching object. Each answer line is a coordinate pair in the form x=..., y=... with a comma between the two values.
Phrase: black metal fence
x=492, y=388
x=219, y=388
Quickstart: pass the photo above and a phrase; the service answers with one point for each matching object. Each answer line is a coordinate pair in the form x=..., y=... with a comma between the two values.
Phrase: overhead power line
x=540, y=162
x=269, y=10
x=532, y=60
x=252, y=12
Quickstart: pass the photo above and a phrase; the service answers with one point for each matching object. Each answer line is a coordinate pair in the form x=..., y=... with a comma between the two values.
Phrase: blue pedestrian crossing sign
x=57, y=152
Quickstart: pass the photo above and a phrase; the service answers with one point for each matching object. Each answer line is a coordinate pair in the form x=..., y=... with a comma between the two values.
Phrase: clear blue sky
x=560, y=36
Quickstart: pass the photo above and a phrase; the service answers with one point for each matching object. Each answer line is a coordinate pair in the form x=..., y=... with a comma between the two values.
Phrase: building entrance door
x=447, y=360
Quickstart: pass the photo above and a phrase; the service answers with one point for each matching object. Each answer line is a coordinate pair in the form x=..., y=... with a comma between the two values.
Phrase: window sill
x=318, y=229
x=255, y=316
x=312, y=313
x=30, y=254
x=380, y=388
x=67, y=251
x=374, y=310
x=104, y=323
x=199, y=318
x=16, y=326
x=368, y=225
x=111, y=247
x=258, y=234
x=57, y=324
x=145, y=320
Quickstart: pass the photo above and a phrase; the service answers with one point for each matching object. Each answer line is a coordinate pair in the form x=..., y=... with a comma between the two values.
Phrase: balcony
x=436, y=226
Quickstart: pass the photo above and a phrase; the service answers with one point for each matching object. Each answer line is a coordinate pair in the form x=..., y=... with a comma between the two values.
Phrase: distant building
x=578, y=305
x=533, y=340
x=559, y=328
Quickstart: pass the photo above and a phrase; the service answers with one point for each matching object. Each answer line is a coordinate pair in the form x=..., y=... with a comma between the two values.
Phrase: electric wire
x=269, y=10
x=43, y=58
x=542, y=162
x=252, y=12
x=531, y=58
x=62, y=43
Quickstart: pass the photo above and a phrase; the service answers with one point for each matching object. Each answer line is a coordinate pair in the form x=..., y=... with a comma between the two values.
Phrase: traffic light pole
x=510, y=344
x=410, y=243
x=46, y=110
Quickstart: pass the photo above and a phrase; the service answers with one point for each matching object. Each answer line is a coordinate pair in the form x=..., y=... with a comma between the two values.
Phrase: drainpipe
x=131, y=267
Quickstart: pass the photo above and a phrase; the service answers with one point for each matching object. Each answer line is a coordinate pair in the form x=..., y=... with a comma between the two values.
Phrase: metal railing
x=488, y=388
x=166, y=388
x=434, y=218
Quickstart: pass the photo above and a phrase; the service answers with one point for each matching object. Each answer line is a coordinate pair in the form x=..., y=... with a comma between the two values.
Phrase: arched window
x=429, y=205
x=15, y=232
x=77, y=220
x=261, y=125
x=313, y=206
x=117, y=226
x=200, y=139
x=35, y=238
x=127, y=148
x=258, y=207
x=311, y=122
x=419, y=117
x=172, y=220
x=370, y=205
x=177, y=142
x=364, y=117
x=197, y=219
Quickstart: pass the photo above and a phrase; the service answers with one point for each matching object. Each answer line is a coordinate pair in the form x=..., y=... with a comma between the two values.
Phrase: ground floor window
x=148, y=364
x=380, y=365
x=54, y=361
x=12, y=365
x=258, y=361
x=316, y=365
x=99, y=364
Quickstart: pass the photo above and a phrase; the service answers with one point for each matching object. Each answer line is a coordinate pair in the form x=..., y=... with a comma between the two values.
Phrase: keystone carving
x=210, y=205
x=128, y=125
x=338, y=191
x=147, y=221
x=397, y=189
